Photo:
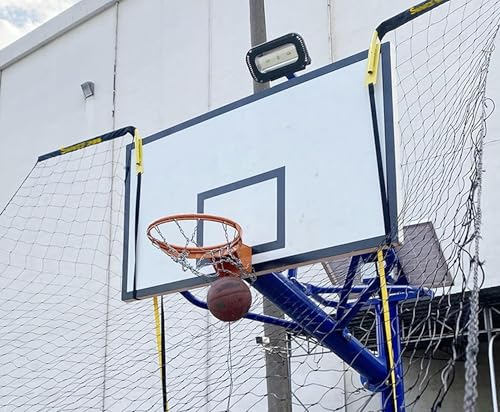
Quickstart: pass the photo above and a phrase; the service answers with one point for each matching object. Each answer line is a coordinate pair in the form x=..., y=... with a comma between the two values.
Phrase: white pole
x=493, y=383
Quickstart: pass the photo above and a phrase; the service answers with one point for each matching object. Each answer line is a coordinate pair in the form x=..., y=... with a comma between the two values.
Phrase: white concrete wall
x=169, y=61
x=41, y=103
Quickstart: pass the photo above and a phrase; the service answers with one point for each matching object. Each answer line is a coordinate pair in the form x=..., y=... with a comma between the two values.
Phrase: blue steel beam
x=387, y=397
x=359, y=304
x=398, y=360
x=397, y=293
x=405, y=294
x=346, y=290
x=327, y=302
x=399, y=289
x=295, y=303
x=291, y=326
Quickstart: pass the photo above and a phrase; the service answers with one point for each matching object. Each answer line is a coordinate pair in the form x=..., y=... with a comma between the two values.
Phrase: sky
x=18, y=17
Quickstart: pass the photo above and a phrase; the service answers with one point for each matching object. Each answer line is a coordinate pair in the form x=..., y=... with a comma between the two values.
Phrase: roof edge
x=52, y=29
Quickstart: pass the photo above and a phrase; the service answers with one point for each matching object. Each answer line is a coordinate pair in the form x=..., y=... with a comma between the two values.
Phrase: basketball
x=229, y=299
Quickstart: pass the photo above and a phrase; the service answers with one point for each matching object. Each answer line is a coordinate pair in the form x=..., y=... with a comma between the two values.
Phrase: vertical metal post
x=387, y=403
x=277, y=360
x=493, y=383
x=387, y=398
x=398, y=359
x=258, y=33
x=488, y=322
x=277, y=363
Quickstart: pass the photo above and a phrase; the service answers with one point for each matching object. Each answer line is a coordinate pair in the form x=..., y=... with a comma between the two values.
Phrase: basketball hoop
x=230, y=258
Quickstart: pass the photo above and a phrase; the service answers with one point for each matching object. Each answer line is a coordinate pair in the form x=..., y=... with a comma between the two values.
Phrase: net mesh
x=66, y=337
x=68, y=342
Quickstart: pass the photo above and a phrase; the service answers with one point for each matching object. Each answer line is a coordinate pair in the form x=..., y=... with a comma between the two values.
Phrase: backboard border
x=364, y=245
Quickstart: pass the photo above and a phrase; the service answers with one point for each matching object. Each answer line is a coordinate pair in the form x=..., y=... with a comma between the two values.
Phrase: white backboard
x=295, y=166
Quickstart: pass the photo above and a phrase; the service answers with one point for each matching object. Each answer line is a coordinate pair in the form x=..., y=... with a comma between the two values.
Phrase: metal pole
x=493, y=382
x=258, y=32
x=387, y=399
x=387, y=402
x=491, y=360
x=398, y=359
x=277, y=358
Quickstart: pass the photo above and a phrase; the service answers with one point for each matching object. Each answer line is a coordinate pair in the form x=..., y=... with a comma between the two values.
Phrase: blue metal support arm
x=395, y=289
x=397, y=293
x=387, y=398
x=359, y=304
x=346, y=290
x=292, y=326
x=326, y=302
x=295, y=303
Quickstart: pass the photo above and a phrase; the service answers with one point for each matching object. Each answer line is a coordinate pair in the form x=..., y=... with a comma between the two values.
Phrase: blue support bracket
x=293, y=301
x=346, y=290
x=360, y=303
x=291, y=326
x=387, y=398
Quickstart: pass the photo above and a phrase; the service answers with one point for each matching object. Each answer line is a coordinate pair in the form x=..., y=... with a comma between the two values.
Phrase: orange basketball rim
x=228, y=259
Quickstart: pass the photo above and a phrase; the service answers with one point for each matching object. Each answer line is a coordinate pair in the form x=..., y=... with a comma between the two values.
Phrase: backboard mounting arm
x=291, y=326
x=317, y=323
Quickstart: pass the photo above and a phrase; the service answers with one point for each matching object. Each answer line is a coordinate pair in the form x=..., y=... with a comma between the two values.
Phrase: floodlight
x=278, y=58
x=87, y=89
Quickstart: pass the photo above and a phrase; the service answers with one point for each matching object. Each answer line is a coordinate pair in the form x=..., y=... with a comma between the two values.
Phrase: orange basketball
x=229, y=299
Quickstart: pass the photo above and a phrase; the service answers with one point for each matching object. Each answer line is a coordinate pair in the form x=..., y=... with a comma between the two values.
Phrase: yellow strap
x=373, y=60
x=139, y=167
x=158, y=337
x=81, y=145
x=387, y=323
x=158, y=330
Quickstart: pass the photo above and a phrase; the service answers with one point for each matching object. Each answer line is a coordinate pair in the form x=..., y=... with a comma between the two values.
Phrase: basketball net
x=182, y=238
